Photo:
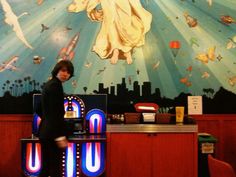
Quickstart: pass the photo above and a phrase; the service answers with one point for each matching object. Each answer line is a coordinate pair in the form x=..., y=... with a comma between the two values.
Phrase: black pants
x=51, y=159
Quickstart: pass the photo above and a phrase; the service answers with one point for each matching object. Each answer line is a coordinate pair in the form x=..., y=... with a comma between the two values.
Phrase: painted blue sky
x=153, y=62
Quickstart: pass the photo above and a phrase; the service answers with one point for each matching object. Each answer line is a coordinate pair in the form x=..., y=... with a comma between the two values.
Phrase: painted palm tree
x=16, y=90
x=209, y=92
x=4, y=87
x=13, y=89
x=21, y=89
x=25, y=84
x=33, y=84
x=7, y=84
x=30, y=86
x=37, y=84
x=42, y=85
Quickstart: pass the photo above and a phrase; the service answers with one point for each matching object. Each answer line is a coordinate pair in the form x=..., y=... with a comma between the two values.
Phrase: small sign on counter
x=207, y=148
x=149, y=117
x=194, y=105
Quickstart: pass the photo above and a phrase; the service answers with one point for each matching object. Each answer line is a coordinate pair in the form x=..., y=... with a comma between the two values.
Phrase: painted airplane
x=9, y=64
x=67, y=53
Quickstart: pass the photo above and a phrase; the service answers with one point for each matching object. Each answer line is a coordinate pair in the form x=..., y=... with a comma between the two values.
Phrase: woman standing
x=52, y=131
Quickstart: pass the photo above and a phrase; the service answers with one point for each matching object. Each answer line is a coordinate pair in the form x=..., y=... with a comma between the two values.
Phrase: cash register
x=148, y=111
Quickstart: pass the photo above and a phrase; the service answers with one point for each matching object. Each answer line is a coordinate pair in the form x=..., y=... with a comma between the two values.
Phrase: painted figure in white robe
x=124, y=25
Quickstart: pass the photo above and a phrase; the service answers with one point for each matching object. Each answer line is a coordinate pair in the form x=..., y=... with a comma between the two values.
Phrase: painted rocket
x=67, y=53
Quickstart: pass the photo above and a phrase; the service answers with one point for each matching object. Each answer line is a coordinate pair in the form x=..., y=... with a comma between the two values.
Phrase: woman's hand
x=62, y=144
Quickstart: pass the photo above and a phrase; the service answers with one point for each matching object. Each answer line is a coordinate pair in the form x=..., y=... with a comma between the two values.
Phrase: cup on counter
x=179, y=114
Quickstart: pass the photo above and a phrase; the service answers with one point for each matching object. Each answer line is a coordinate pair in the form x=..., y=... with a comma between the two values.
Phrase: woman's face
x=63, y=75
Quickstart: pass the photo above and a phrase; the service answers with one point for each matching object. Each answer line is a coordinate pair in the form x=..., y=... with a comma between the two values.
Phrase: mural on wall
x=134, y=50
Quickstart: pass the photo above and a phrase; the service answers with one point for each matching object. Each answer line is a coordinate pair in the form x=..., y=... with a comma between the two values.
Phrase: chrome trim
x=150, y=128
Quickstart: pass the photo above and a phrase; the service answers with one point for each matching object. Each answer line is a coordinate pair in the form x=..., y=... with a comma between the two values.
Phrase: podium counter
x=152, y=150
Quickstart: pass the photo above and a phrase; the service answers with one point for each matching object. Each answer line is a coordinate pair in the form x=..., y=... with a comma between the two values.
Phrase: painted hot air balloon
x=174, y=46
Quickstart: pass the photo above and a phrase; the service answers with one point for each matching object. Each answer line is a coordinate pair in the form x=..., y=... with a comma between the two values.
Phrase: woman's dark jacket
x=52, y=125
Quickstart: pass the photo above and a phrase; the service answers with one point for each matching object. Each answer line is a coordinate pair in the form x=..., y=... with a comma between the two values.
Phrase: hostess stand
x=85, y=117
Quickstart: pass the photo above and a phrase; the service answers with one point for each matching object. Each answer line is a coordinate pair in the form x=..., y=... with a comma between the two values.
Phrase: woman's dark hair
x=63, y=64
